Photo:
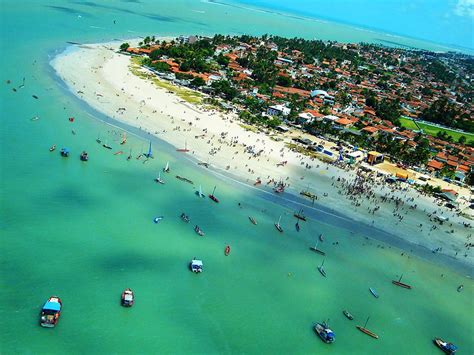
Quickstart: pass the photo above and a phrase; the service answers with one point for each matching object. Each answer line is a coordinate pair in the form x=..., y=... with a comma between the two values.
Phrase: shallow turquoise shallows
x=85, y=231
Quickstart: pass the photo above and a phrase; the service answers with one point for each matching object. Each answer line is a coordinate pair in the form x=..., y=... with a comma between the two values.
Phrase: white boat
x=166, y=169
x=196, y=266
x=199, y=192
x=159, y=179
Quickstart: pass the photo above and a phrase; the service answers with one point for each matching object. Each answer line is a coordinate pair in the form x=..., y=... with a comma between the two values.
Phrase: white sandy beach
x=102, y=78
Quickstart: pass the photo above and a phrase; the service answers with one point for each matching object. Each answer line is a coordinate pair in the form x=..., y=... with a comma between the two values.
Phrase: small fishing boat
x=253, y=220
x=348, y=315
x=51, y=312
x=52, y=148
x=373, y=292
x=460, y=287
x=64, y=152
x=299, y=215
x=199, y=192
x=196, y=266
x=278, y=226
x=297, y=226
x=120, y=152
x=128, y=298
x=366, y=331
x=124, y=138
x=184, y=179
x=400, y=283
x=321, y=269
x=213, y=197
x=185, y=149
x=84, y=156
x=166, y=169
x=227, y=250
x=159, y=179
x=106, y=145
x=448, y=348
x=185, y=217
x=71, y=119
x=326, y=334
x=199, y=231
x=316, y=250
x=158, y=219
x=321, y=238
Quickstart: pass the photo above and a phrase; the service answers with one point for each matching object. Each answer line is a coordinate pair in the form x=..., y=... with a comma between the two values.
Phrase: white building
x=278, y=110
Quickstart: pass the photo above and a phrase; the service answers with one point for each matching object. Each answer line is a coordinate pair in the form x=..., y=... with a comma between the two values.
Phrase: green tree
x=462, y=140
x=124, y=46
x=198, y=82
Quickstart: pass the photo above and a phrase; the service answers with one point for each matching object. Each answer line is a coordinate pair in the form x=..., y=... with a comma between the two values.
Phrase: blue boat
x=64, y=152
x=51, y=312
x=448, y=348
x=158, y=219
x=149, y=154
x=373, y=292
x=326, y=334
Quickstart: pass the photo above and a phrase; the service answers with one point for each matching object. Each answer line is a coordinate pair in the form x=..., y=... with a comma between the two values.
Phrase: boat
x=199, y=192
x=64, y=152
x=279, y=189
x=158, y=219
x=185, y=149
x=128, y=298
x=373, y=292
x=308, y=194
x=98, y=140
x=124, y=138
x=149, y=154
x=227, y=250
x=71, y=119
x=448, y=348
x=120, y=152
x=196, y=266
x=297, y=226
x=199, y=231
x=400, y=283
x=299, y=215
x=166, y=169
x=130, y=155
x=366, y=331
x=348, y=315
x=253, y=220
x=185, y=217
x=213, y=197
x=321, y=238
x=52, y=148
x=159, y=179
x=84, y=156
x=184, y=179
x=51, y=312
x=326, y=334
x=278, y=226
x=460, y=287
x=316, y=250
x=257, y=182
x=106, y=145
x=321, y=269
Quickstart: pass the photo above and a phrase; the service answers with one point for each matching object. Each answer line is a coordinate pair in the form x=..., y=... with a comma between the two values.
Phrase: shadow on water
x=68, y=10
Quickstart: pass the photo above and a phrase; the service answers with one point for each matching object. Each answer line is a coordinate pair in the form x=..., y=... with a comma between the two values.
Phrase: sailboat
x=400, y=283
x=159, y=179
x=166, y=169
x=277, y=225
x=213, y=197
x=316, y=250
x=185, y=149
x=199, y=192
x=149, y=154
x=106, y=145
x=124, y=138
x=366, y=331
x=297, y=226
x=300, y=215
x=130, y=155
x=321, y=269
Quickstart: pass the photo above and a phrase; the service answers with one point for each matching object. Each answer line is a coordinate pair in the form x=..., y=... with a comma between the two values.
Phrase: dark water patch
x=397, y=44
x=133, y=261
x=68, y=10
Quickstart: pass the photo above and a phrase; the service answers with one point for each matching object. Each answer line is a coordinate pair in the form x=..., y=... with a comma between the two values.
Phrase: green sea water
x=85, y=231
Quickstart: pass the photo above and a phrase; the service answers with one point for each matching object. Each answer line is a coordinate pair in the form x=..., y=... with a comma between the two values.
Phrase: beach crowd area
x=113, y=84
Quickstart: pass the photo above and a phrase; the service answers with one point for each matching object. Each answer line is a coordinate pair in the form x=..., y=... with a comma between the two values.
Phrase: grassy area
x=248, y=127
x=432, y=130
x=193, y=97
x=309, y=153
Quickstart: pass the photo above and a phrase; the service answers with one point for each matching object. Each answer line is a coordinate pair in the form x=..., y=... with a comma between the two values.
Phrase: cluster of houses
x=406, y=81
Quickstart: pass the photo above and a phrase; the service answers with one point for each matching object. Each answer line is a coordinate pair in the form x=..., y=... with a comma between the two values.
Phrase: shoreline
x=238, y=174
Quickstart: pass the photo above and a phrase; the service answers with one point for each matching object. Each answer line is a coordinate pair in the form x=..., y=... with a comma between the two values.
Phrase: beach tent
x=375, y=158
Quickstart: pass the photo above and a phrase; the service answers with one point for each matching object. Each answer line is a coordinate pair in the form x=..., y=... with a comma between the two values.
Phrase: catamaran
x=199, y=192
x=159, y=179
x=213, y=197
x=278, y=226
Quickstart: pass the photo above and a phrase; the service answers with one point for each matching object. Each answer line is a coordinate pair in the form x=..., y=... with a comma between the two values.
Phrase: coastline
x=81, y=67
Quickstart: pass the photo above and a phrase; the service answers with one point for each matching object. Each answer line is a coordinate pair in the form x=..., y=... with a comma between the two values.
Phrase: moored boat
x=448, y=348
x=348, y=315
x=213, y=197
x=158, y=219
x=253, y=220
x=199, y=192
x=373, y=292
x=321, y=269
x=326, y=334
x=184, y=179
x=400, y=283
x=159, y=179
x=278, y=226
x=366, y=331
x=84, y=156
x=227, y=250
x=316, y=250
x=64, y=152
x=321, y=238
x=297, y=226
x=460, y=287
x=51, y=312
x=199, y=231
x=128, y=298
x=166, y=169
x=185, y=217
x=185, y=149
x=196, y=266
x=299, y=215
x=52, y=148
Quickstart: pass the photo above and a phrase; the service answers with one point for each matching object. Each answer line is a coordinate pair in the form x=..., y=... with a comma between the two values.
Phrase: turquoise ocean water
x=84, y=231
